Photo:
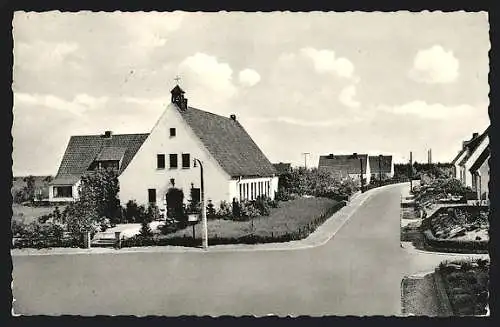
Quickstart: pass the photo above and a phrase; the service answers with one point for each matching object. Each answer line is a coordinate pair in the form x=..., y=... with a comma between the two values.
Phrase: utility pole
x=411, y=172
x=305, y=154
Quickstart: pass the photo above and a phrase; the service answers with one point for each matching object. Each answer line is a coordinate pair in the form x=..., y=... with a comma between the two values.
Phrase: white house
x=465, y=159
x=149, y=164
x=343, y=166
x=381, y=167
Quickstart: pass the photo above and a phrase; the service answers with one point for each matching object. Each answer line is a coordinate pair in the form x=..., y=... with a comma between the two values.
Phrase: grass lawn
x=289, y=217
x=28, y=214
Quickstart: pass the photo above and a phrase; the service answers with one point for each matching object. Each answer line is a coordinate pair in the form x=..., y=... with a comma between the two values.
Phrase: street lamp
x=356, y=156
x=204, y=235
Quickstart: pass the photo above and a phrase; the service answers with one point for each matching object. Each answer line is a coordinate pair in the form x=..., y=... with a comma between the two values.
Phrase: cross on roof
x=177, y=79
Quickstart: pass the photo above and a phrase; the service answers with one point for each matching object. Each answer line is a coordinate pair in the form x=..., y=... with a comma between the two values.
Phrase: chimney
x=474, y=135
x=107, y=134
x=233, y=117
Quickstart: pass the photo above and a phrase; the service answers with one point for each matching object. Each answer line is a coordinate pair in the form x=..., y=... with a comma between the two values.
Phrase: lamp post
x=356, y=156
x=380, y=169
x=204, y=235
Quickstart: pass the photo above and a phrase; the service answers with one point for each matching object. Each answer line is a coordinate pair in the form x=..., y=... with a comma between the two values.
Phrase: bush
x=224, y=211
x=211, y=211
x=262, y=206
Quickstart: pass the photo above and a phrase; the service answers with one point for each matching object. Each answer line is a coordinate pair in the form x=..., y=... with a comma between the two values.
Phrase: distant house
x=283, y=168
x=381, y=167
x=468, y=155
x=149, y=164
x=343, y=167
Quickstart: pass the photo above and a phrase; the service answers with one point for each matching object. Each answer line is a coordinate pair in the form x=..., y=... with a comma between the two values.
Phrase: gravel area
x=419, y=297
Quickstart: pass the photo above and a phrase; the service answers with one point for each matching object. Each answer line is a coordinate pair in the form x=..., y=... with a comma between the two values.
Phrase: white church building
x=149, y=164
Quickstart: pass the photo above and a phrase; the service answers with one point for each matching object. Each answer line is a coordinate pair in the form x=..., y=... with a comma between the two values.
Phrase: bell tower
x=178, y=96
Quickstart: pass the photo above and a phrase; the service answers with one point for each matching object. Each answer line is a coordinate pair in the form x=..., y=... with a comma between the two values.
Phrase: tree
x=29, y=189
x=101, y=188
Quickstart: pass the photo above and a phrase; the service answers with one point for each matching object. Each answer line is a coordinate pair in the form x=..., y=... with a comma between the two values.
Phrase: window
x=63, y=192
x=186, y=160
x=160, y=161
x=173, y=160
x=241, y=192
x=152, y=195
x=172, y=132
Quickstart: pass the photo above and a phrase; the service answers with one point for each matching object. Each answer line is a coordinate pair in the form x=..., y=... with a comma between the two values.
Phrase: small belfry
x=178, y=95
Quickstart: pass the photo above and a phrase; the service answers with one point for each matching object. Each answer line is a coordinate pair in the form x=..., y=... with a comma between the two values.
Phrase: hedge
x=38, y=243
x=299, y=234
x=453, y=245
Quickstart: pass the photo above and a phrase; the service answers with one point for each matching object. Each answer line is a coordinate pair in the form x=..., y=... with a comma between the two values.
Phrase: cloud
x=435, y=65
x=325, y=61
x=339, y=121
x=346, y=96
x=79, y=104
x=249, y=77
x=150, y=30
x=40, y=55
x=209, y=81
x=431, y=111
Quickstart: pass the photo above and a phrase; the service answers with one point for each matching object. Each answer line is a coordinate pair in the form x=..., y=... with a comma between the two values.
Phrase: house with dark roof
x=381, y=167
x=149, y=164
x=346, y=166
x=468, y=155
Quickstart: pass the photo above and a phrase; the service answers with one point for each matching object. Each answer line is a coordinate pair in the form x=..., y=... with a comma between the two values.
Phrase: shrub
x=248, y=210
x=236, y=209
x=224, y=210
x=262, y=206
x=211, y=211
x=282, y=195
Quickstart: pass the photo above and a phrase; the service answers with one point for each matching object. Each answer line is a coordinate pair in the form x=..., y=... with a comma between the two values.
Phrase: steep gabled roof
x=460, y=153
x=83, y=150
x=229, y=144
x=385, y=164
x=480, y=160
x=342, y=163
x=472, y=146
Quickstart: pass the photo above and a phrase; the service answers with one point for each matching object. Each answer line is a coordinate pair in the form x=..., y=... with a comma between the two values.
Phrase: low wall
x=445, y=308
x=454, y=245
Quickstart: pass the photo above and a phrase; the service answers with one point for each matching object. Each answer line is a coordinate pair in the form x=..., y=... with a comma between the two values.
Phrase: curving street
x=357, y=272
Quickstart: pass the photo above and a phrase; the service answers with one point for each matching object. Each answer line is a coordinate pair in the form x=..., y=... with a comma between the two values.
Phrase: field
x=28, y=214
x=289, y=217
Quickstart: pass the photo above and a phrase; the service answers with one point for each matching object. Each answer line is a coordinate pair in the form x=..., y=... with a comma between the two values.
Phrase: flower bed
x=466, y=285
x=457, y=229
x=293, y=220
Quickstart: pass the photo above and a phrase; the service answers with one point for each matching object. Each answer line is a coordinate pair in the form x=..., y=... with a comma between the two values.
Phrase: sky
x=315, y=82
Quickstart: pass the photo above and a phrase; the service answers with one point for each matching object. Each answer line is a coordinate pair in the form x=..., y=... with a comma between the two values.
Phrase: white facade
x=143, y=174
x=54, y=197
x=464, y=171
x=458, y=172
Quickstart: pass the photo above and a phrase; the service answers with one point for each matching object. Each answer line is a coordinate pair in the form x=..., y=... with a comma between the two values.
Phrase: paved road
x=357, y=272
